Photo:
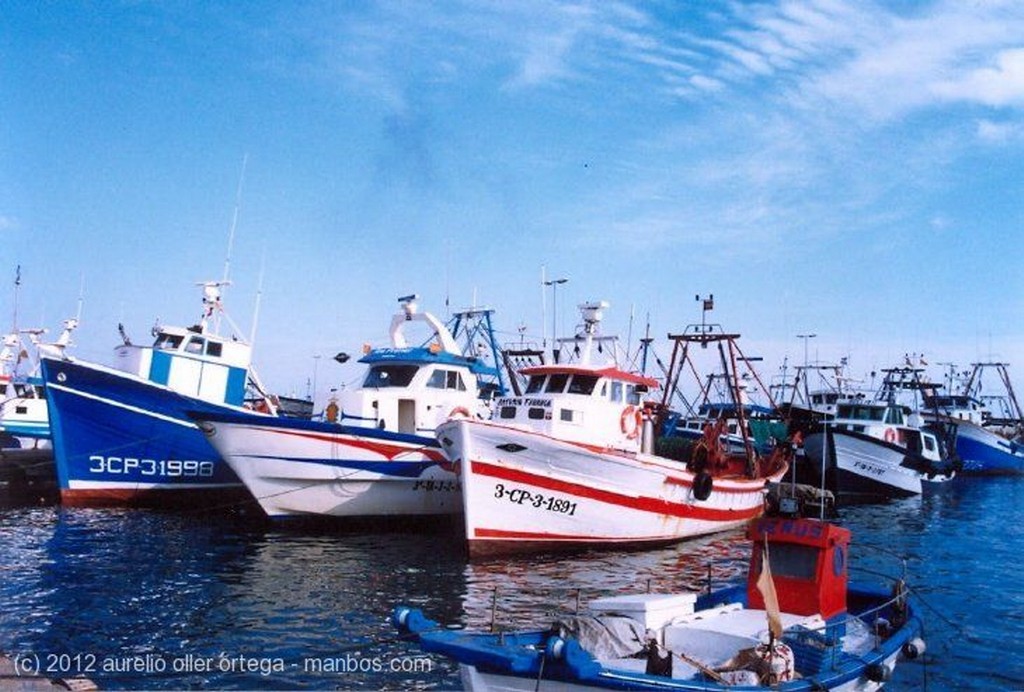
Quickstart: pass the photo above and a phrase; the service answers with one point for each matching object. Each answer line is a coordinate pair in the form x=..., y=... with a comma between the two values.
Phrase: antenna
x=259, y=297
x=234, y=220
x=17, y=286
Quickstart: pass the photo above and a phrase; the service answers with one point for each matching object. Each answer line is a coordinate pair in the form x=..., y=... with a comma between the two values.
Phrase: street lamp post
x=553, y=283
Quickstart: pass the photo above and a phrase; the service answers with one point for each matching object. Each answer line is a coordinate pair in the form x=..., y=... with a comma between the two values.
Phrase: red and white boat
x=570, y=465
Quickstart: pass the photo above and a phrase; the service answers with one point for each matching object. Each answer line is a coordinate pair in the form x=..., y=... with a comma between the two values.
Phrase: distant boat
x=880, y=449
x=569, y=464
x=24, y=420
x=374, y=454
x=797, y=624
x=121, y=435
x=988, y=432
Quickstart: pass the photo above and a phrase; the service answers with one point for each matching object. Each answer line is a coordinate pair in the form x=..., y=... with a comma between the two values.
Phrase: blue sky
x=847, y=168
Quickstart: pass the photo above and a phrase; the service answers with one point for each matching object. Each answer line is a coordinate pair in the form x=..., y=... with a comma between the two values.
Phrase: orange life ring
x=890, y=435
x=631, y=421
x=459, y=412
x=331, y=413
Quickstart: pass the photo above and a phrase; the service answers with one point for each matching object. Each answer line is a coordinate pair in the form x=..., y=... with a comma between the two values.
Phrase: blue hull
x=119, y=440
x=984, y=452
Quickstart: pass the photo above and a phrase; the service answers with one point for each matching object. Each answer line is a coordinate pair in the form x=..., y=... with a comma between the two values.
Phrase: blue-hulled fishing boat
x=988, y=428
x=121, y=434
x=797, y=624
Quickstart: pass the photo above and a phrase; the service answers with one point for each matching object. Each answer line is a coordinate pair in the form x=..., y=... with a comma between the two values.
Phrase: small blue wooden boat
x=797, y=624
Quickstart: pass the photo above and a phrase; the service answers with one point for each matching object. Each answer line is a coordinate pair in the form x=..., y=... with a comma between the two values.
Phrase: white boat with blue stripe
x=374, y=453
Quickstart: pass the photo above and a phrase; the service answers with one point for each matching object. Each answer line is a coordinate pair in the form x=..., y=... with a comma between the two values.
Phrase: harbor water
x=159, y=600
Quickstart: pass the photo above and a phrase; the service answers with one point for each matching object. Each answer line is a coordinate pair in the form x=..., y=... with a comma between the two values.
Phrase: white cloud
x=998, y=132
x=1001, y=84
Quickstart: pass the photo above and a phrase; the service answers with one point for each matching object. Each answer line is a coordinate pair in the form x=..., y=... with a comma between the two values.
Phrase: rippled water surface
x=141, y=599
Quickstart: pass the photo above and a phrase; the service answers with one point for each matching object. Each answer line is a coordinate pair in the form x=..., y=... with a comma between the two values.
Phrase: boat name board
x=170, y=468
x=430, y=485
x=519, y=401
x=522, y=496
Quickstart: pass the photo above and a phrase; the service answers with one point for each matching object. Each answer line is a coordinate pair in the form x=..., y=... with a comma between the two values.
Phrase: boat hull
x=296, y=468
x=120, y=440
x=859, y=465
x=529, y=660
x=527, y=492
x=984, y=452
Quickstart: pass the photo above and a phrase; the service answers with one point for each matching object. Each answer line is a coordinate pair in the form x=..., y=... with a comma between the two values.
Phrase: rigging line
x=938, y=613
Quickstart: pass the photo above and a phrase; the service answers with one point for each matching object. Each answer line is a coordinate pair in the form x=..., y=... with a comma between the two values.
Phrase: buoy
x=878, y=672
x=914, y=648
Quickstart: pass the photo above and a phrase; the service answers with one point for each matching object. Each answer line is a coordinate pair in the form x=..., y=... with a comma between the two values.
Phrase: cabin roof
x=609, y=372
x=420, y=356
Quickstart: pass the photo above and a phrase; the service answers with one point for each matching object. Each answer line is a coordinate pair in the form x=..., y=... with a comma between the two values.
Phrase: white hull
x=296, y=472
x=527, y=491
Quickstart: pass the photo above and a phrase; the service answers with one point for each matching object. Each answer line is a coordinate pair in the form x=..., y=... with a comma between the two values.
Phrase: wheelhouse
x=580, y=404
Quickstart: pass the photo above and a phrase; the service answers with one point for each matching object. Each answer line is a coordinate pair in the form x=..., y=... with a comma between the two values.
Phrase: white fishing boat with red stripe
x=373, y=454
x=570, y=465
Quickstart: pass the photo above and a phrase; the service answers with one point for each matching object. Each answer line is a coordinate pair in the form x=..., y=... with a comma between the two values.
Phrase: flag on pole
x=771, y=600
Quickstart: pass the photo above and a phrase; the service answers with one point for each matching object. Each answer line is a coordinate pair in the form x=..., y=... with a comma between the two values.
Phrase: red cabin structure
x=808, y=565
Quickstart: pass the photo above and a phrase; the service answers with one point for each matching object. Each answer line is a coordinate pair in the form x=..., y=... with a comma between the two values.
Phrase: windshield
x=381, y=376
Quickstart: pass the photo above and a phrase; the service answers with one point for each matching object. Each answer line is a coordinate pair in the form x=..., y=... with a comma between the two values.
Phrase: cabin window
x=582, y=384
x=893, y=416
x=535, y=413
x=168, y=342
x=556, y=383
x=507, y=412
x=455, y=381
x=616, y=392
x=381, y=376
x=21, y=410
x=632, y=395
x=535, y=384
x=214, y=348
x=195, y=345
x=446, y=379
x=930, y=443
x=793, y=561
x=567, y=415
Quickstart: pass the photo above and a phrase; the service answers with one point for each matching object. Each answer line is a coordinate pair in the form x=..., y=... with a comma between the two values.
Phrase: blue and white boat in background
x=24, y=421
x=988, y=433
x=374, y=454
x=121, y=435
x=796, y=625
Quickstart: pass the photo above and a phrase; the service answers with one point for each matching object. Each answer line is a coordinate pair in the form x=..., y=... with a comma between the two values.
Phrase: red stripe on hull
x=493, y=547
x=388, y=451
x=643, y=504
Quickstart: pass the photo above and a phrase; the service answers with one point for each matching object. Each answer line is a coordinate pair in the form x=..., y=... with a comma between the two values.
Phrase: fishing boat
x=796, y=624
x=880, y=449
x=988, y=427
x=374, y=454
x=121, y=434
x=24, y=421
x=571, y=464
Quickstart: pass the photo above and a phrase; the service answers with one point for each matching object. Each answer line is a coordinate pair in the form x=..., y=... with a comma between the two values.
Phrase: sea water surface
x=158, y=600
